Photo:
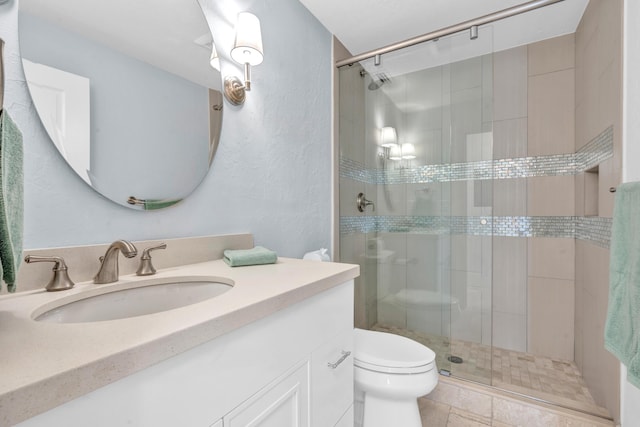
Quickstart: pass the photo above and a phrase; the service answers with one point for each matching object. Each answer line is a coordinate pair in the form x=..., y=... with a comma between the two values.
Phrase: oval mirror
x=126, y=93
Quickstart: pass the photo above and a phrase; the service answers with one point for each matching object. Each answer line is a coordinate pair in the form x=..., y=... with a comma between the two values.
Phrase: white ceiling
x=168, y=39
x=364, y=25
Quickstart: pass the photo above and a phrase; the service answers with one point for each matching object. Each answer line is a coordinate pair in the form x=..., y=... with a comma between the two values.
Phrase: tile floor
x=458, y=403
x=555, y=381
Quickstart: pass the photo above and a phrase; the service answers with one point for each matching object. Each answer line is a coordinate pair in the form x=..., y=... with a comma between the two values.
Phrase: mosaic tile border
x=594, y=229
x=597, y=150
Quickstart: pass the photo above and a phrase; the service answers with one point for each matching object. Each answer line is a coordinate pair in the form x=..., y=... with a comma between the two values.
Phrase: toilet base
x=382, y=412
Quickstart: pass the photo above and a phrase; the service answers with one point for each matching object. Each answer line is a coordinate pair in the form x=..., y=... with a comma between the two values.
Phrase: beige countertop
x=43, y=364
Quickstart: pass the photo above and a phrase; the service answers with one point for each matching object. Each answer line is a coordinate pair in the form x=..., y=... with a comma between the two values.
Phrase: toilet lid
x=384, y=352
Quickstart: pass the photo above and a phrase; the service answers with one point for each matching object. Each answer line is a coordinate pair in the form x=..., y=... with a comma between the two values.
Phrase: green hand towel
x=153, y=204
x=11, y=199
x=255, y=256
x=622, y=328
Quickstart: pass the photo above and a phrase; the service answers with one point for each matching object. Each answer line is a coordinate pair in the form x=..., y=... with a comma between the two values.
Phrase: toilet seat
x=390, y=353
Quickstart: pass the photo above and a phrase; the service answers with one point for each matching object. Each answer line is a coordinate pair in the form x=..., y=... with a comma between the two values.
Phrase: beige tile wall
x=551, y=97
x=551, y=113
x=551, y=257
x=510, y=84
x=598, y=47
x=551, y=130
x=551, y=317
x=550, y=291
x=551, y=195
x=534, y=115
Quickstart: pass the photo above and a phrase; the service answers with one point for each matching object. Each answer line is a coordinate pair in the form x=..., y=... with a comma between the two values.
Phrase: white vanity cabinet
x=279, y=371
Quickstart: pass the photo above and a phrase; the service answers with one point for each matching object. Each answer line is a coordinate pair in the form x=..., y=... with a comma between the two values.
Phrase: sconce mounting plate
x=234, y=90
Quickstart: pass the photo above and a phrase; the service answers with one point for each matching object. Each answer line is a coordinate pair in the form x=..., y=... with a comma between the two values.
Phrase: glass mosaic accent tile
x=594, y=229
x=598, y=149
x=593, y=153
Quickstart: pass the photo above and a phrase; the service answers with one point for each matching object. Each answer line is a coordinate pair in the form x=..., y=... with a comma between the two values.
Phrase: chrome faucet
x=108, y=272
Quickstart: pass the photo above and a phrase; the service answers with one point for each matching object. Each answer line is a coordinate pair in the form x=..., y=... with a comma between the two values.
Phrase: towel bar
x=135, y=201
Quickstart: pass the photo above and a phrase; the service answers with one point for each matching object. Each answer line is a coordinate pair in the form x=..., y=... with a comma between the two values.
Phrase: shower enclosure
x=433, y=206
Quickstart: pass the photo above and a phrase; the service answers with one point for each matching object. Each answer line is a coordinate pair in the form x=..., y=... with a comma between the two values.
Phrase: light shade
x=247, y=48
x=395, y=153
x=214, y=60
x=408, y=151
x=388, y=137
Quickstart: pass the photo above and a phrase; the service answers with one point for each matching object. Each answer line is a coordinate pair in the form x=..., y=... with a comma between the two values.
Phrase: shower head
x=379, y=80
x=376, y=81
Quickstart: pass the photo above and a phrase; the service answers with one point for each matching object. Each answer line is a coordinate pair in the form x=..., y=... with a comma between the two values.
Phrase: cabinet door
x=283, y=403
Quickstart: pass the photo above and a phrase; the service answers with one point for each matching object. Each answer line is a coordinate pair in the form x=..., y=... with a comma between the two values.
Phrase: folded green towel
x=255, y=256
x=622, y=328
x=11, y=199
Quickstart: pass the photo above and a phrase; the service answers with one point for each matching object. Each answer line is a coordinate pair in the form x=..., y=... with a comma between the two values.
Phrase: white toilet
x=392, y=371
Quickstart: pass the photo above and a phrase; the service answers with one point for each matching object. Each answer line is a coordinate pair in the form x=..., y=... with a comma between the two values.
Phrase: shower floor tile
x=552, y=380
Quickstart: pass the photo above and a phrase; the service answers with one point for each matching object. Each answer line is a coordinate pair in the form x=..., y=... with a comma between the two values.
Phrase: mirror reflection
x=126, y=93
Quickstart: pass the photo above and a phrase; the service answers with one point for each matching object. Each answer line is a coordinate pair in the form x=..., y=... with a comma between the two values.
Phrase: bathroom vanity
x=272, y=351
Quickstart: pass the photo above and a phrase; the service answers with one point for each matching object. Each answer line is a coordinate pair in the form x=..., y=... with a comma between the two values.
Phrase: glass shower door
x=469, y=116
x=415, y=139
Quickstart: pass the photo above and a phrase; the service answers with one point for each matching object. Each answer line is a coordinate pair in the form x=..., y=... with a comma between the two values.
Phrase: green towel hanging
x=11, y=199
x=622, y=328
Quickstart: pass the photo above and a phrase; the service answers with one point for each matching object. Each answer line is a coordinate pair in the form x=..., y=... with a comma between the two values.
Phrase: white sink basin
x=131, y=299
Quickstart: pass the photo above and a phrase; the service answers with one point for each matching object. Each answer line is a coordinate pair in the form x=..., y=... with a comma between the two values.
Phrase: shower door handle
x=362, y=203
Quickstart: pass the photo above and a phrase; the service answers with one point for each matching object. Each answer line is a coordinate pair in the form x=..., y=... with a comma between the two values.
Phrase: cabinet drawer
x=332, y=380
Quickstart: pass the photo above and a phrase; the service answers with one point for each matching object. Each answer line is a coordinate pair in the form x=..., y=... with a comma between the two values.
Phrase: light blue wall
x=272, y=172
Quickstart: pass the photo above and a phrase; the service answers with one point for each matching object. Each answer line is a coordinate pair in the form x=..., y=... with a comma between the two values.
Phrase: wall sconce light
x=391, y=150
x=395, y=152
x=388, y=141
x=403, y=153
x=388, y=137
x=247, y=50
x=408, y=151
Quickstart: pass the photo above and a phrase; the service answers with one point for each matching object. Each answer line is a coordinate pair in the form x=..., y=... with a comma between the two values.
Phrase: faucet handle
x=146, y=268
x=60, y=280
